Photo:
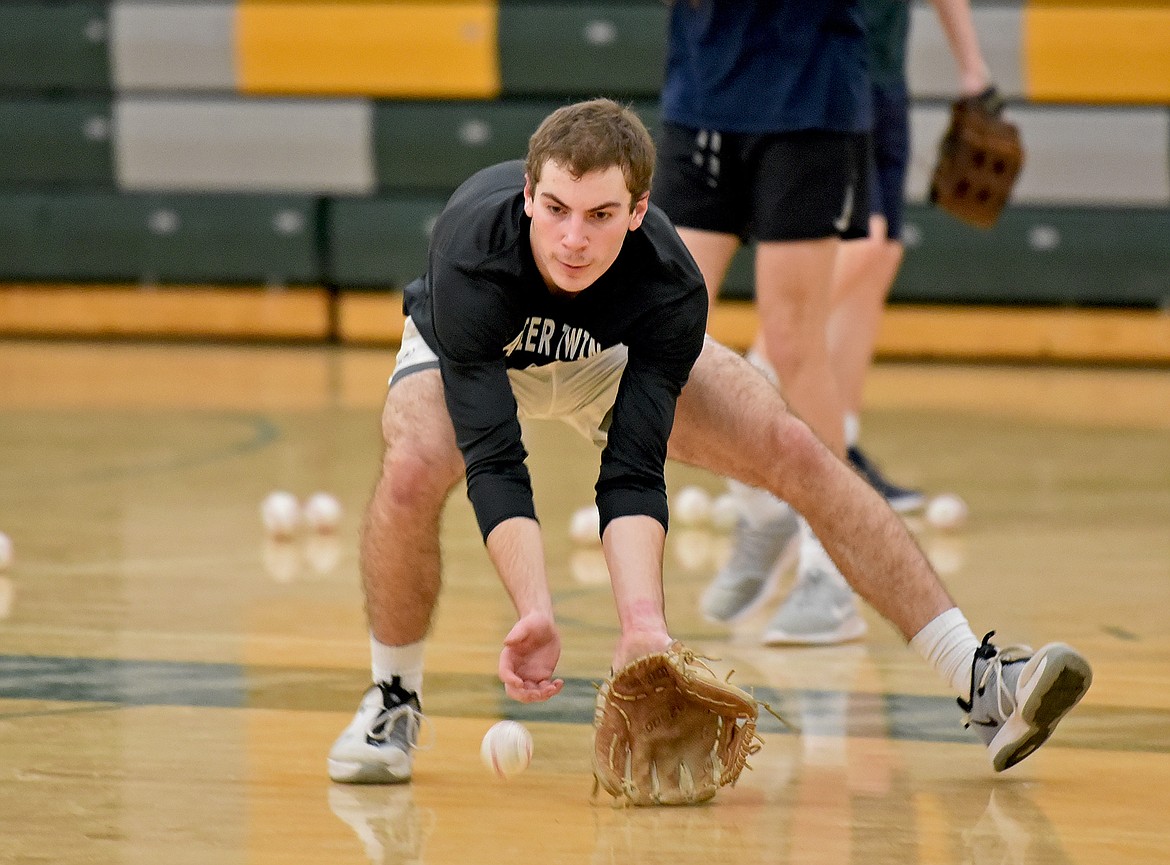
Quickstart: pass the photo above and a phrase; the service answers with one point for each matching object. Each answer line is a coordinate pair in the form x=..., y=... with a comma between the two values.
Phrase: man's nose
x=575, y=236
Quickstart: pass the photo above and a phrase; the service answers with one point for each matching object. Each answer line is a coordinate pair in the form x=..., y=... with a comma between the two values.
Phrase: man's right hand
x=529, y=659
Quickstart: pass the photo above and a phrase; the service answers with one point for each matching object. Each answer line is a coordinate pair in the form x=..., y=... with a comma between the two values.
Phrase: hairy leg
x=864, y=272
x=731, y=421
x=793, y=284
x=399, y=552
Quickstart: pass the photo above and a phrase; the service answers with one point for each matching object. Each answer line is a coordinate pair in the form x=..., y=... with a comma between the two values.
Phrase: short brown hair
x=592, y=136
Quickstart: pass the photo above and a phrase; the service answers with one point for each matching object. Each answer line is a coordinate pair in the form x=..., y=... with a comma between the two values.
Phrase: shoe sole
x=1053, y=681
x=908, y=503
x=364, y=773
x=852, y=629
x=768, y=589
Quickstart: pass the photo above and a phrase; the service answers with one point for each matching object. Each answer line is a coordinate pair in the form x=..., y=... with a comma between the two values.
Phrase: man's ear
x=527, y=196
x=640, y=208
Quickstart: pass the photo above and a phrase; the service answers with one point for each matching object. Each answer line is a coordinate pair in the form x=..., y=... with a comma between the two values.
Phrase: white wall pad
x=244, y=145
x=1073, y=156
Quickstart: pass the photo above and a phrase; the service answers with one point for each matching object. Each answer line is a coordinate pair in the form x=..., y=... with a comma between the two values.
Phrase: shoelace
x=1004, y=700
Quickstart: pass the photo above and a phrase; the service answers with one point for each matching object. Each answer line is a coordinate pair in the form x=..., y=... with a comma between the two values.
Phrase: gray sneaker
x=378, y=745
x=820, y=611
x=1019, y=696
x=758, y=556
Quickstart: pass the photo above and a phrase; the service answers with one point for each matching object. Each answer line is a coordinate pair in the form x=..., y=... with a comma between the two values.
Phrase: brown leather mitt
x=980, y=157
x=668, y=732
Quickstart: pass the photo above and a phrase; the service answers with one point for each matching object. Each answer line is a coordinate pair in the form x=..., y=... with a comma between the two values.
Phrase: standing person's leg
x=399, y=560
x=730, y=421
x=811, y=192
x=703, y=182
x=865, y=273
x=793, y=284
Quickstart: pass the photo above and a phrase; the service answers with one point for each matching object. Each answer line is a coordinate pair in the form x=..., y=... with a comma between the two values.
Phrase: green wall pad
x=437, y=145
x=158, y=238
x=53, y=47
x=380, y=242
x=58, y=141
x=586, y=49
x=1114, y=257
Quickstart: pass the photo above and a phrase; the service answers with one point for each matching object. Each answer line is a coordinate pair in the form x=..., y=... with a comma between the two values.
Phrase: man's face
x=578, y=225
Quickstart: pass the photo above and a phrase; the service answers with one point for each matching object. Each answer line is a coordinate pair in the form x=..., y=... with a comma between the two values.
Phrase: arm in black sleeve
x=631, y=479
x=471, y=321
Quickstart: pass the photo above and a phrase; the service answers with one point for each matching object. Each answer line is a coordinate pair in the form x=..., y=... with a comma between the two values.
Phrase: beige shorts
x=580, y=393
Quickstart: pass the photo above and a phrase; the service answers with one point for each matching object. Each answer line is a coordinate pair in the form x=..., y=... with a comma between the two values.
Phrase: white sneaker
x=378, y=745
x=748, y=580
x=1019, y=696
x=821, y=610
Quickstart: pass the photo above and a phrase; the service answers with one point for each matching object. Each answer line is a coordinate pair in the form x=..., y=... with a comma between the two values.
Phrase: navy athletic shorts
x=778, y=186
x=890, y=155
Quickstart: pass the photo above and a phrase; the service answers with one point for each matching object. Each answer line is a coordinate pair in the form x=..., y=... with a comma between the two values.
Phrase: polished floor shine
x=170, y=681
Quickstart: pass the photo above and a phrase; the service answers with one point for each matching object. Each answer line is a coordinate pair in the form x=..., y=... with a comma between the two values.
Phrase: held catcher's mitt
x=668, y=732
x=980, y=157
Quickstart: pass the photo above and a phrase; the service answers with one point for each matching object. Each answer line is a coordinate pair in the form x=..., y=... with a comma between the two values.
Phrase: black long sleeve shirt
x=484, y=308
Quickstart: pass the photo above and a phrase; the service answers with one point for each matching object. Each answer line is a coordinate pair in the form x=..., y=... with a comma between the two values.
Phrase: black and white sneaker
x=901, y=499
x=1019, y=696
x=378, y=745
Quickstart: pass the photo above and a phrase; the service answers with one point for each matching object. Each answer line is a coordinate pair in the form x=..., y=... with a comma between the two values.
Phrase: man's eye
x=601, y=216
x=555, y=210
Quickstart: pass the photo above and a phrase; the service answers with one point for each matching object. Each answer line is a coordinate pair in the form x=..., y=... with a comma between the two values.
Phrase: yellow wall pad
x=230, y=313
x=1011, y=333
x=1078, y=51
x=370, y=317
x=411, y=50
x=935, y=332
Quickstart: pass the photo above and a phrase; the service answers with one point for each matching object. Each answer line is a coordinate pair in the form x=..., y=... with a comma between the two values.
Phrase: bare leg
x=864, y=272
x=400, y=533
x=713, y=252
x=793, y=284
x=731, y=421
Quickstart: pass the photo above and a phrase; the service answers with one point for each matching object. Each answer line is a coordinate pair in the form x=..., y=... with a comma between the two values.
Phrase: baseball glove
x=668, y=732
x=980, y=157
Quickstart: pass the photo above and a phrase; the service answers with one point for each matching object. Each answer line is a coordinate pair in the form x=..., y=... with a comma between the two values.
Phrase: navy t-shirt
x=484, y=308
x=754, y=66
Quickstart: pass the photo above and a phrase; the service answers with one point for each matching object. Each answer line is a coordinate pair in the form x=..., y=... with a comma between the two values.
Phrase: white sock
x=813, y=555
x=763, y=365
x=758, y=507
x=405, y=662
x=852, y=429
x=948, y=644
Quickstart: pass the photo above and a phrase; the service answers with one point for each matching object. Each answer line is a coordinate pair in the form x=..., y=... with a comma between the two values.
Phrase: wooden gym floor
x=170, y=682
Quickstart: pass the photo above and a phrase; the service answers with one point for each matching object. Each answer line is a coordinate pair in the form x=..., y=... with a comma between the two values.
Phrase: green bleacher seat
x=56, y=141
x=53, y=47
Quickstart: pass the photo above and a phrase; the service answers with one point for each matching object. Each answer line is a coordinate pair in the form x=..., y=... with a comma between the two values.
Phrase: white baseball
x=947, y=511
x=5, y=552
x=585, y=526
x=322, y=513
x=506, y=749
x=724, y=513
x=692, y=506
x=281, y=513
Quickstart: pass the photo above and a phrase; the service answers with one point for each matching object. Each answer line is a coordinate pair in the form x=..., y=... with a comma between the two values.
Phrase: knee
x=797, y=456
x=416, y=477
